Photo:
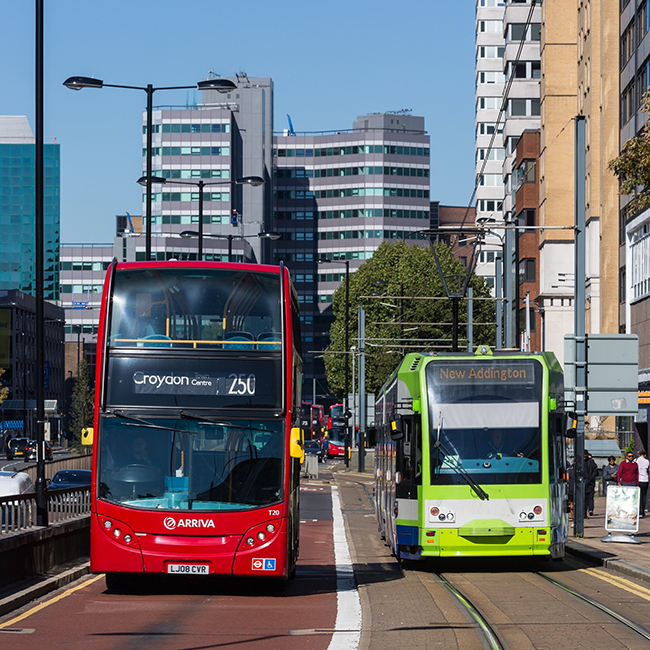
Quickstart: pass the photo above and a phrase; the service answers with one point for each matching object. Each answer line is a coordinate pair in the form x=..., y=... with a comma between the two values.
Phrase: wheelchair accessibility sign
x=267, y=564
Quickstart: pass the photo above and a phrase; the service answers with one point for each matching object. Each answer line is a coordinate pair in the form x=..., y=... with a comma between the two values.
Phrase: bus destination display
x=194, y=384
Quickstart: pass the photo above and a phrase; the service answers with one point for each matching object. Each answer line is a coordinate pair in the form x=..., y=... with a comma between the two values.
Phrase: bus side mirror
x=87, y=436
x=296, y=444
x=571, y=426
x=397, y=428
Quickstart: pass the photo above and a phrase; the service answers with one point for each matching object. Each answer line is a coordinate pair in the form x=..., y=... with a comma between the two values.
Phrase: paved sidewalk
x=631, y=559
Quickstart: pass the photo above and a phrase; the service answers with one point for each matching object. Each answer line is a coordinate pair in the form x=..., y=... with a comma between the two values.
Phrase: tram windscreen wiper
x=459, y=469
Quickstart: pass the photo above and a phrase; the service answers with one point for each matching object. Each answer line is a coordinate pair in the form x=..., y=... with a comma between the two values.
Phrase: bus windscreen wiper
x=142, y=422
x=459, y=469
x=184, y=415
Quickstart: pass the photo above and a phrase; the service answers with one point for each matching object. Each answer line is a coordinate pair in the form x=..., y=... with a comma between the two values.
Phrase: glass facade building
x=17, y=211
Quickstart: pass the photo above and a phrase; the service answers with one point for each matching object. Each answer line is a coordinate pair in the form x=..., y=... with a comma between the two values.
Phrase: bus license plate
x=189, y=569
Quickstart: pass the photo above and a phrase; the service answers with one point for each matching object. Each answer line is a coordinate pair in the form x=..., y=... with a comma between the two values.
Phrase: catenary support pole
x=579, y=324
x=361, y=328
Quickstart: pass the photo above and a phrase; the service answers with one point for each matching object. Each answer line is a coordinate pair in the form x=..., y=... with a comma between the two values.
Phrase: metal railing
x=18, y=512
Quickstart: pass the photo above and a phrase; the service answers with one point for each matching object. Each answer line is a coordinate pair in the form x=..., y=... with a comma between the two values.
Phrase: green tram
x=470, y=456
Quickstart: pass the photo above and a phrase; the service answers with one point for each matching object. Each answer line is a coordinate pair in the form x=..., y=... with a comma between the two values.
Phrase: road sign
x=612, y=373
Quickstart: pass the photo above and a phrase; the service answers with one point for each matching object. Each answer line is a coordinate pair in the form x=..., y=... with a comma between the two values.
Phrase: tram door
x=408, y=471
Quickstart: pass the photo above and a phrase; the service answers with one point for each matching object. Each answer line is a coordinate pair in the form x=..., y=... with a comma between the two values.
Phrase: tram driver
x=498, y=445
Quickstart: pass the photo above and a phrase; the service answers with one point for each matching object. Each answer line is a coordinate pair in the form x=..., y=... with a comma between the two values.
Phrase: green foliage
x=83, y=402
x=422, y=321
x=4, y=390
x=632, y=167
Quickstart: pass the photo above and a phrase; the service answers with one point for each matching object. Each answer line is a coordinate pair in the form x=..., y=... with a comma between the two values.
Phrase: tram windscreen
x=485, y=421
x=180, y=464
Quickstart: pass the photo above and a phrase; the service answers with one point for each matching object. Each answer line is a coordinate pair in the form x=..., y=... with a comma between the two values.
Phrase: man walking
x=644, y=465
x=590, y=473
x=628, y=471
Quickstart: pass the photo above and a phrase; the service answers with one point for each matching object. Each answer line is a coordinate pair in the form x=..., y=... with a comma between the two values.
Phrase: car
x=335, y=448
x=313, y=448
x=26, y=449
x=13, y=483
x=16, y=448
x=70, y=478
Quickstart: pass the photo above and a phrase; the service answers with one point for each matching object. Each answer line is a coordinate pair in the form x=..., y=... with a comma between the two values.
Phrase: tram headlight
x=537, y=510
x=523, y=515
x=531, y=515
x=450, y=516
x=434, y=511
x=442, y=516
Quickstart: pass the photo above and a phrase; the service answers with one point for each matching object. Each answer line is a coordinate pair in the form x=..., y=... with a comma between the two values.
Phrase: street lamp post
x=253, y=181
x=218, y=84
x=273, y=236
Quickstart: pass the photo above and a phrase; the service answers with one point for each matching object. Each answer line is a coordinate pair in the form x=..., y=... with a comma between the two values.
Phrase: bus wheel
x=118, y=582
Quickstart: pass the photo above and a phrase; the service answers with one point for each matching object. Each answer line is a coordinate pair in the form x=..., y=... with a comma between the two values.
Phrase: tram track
x=482, y=623
x=635, y=627
x=488, y=631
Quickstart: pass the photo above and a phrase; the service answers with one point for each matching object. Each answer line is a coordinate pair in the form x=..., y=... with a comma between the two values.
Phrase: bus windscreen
x=180, y=464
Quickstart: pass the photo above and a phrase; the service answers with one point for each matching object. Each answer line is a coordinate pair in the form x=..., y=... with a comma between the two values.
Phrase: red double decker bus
x=197, y=448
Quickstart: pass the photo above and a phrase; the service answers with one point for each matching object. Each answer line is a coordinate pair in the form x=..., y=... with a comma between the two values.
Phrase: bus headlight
x=119, y=532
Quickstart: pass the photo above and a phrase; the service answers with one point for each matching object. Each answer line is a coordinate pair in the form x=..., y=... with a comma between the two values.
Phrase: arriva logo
x=172, y=524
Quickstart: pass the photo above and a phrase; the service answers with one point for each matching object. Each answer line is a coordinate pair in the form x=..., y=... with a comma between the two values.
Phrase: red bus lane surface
x=194, y=612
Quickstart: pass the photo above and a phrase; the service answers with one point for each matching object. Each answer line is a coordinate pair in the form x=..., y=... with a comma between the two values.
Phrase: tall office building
x=339, y=195
x=17, y=209
x=223, y=139
x=507, y=63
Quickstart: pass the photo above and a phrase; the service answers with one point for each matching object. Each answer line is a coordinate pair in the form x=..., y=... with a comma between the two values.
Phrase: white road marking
x=348, y=606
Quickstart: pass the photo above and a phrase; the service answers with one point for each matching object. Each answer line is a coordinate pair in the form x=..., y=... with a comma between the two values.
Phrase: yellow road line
x=45, y=604
x=621, y=583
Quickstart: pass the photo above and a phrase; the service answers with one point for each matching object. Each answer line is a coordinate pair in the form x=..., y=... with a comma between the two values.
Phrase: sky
x=329, y=63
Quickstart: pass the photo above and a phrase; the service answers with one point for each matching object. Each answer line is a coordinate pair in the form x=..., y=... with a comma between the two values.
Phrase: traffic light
x=234, y=218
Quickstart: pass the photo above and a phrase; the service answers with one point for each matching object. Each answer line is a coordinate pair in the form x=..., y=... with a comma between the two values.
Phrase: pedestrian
x=643, y=464
x=628, y=471
x=590, y=472
x=609, y=473
x=571, y=489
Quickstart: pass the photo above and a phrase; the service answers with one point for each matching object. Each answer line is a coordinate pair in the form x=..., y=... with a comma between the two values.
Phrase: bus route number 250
x=241, y=384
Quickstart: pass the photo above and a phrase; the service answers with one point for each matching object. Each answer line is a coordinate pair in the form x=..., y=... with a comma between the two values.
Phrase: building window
x=527, y=271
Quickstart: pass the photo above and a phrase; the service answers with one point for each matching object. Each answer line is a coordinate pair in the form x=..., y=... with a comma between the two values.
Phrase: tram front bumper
x=456, y=542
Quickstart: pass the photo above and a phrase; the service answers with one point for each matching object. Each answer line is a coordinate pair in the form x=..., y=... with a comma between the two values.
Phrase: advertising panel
x=622, y=510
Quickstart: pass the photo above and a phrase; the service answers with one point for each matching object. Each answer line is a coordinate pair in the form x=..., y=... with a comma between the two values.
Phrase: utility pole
x=361, y=316
x=579, y=324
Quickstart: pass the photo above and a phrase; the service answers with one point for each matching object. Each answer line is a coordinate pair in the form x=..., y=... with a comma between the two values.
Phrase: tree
x=4, y=390
x=632, y=167
x=83, y=401
x=425, y=324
